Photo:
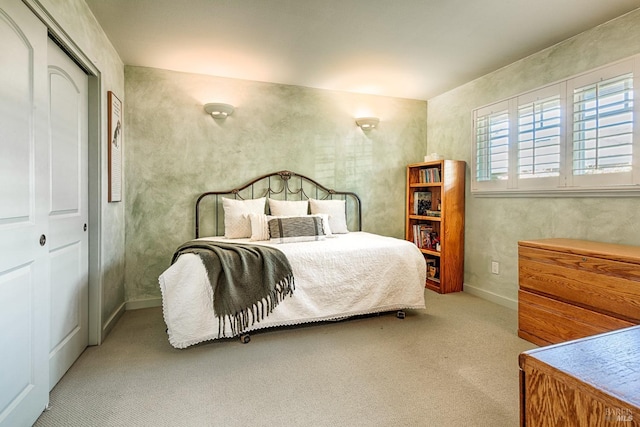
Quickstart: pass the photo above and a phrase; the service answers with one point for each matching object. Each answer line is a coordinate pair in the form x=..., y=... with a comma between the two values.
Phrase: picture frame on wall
x=115, y=147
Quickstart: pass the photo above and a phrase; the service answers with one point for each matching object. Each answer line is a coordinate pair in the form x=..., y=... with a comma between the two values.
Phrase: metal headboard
x=277, y=185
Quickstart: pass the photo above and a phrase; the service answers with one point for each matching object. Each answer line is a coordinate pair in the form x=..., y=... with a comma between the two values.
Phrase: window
x=539, y=138
x=492, y=138
x=577, y=135
x=603, y=126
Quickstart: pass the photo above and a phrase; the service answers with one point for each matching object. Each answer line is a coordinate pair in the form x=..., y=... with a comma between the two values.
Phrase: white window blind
x=492, y=146
x=539, y=129
x=603, y=126
x=576, y=136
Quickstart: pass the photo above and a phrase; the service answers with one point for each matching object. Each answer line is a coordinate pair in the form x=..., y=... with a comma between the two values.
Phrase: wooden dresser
x=570, y=289
x=590, y=382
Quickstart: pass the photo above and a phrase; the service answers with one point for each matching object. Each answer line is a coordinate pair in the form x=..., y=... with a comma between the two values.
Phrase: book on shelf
x=432, y=213
x=421, y=202
x=432, y=268
x=425, y=237
x=418, y=233
x=430, y=175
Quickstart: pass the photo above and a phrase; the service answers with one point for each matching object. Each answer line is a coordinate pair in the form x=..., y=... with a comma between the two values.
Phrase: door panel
x=24, y=195
x=15, y=114
x=68, y=309
x=68, y=212
x=16, y=287
x=66, y=142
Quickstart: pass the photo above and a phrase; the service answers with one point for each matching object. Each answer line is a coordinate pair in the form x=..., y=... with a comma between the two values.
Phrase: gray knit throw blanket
x=248, y=281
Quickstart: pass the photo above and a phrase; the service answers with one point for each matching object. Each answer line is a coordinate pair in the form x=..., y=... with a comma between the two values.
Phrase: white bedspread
x=346, y=275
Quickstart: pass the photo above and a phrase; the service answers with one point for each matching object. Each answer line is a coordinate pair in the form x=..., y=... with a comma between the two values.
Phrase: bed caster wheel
x=400, y=314
x=245, y=338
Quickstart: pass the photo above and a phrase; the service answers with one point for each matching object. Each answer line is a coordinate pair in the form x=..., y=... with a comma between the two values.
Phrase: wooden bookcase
x=441, y=181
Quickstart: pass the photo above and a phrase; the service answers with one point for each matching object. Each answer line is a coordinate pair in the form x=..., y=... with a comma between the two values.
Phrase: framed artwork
x=115, y=147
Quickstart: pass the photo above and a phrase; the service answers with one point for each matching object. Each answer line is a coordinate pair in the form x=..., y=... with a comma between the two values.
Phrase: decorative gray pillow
x=296, y=229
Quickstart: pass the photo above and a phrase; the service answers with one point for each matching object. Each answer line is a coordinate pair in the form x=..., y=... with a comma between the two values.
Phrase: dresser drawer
x=604, y=285
x=543, y=320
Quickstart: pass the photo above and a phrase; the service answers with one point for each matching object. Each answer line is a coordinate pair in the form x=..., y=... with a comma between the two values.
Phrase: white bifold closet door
x=68, y=212
x=24, y=203
x=43, y=210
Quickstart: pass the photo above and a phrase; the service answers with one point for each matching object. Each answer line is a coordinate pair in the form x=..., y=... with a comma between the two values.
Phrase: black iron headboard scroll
x=281, y=189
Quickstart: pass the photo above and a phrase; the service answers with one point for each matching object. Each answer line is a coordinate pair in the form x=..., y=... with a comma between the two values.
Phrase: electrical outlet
x=495, y=267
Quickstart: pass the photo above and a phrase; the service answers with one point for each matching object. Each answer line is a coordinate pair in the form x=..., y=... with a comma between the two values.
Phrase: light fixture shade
x=367, y=123
x=219, y=111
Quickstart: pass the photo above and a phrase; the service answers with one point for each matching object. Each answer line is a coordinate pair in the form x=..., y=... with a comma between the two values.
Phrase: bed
x=335, y=270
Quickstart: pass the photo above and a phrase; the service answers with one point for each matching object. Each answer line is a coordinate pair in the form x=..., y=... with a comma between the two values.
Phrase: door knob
x=43, y=240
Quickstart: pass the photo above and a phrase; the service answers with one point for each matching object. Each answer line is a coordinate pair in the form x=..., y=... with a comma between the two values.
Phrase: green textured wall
x=175, y=151
x=494, y=225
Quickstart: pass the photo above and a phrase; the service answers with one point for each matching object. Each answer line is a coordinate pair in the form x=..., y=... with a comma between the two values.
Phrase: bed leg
x=245, y=338
x=400, y=314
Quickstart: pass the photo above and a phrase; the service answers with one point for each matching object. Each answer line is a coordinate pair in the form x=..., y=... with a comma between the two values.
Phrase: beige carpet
x=453, y=364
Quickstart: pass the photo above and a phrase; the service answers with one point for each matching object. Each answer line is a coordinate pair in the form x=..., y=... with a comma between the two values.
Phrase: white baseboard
x=143, y=303
x=112, y=320
x=490, y=296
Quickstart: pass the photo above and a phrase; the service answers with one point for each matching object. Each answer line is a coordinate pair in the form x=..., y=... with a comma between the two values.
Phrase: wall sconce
x=367, y=123
x=219, y=111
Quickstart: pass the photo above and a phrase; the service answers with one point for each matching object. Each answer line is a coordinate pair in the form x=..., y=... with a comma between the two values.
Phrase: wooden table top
x=609, y=362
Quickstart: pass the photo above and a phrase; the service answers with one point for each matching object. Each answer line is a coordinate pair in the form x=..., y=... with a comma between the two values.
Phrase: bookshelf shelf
x=428, y=252
x=435, y=220
x=426, y=184
x=425, y=218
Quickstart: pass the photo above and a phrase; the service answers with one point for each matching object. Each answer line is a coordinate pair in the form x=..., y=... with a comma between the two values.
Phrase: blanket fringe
x=245, y=318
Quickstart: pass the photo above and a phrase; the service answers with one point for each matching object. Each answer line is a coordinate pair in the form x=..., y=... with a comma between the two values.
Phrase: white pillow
x=288, y=207
x=236, y=216
x=336, y=211
x=259, y=226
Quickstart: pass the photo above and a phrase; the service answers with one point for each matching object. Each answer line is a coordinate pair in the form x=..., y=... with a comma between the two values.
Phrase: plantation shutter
x=603, y=126
x=539, y=138
x=575, y=136
x=492, y=143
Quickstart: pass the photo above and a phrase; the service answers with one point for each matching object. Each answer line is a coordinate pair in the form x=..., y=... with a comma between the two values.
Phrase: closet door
x=68, y=212
x=24, y=195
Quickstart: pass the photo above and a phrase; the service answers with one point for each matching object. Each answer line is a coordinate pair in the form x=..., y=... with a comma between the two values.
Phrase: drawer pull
x=584, y=259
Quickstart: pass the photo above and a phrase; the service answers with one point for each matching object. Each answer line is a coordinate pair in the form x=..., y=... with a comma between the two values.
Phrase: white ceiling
x=404, y=48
